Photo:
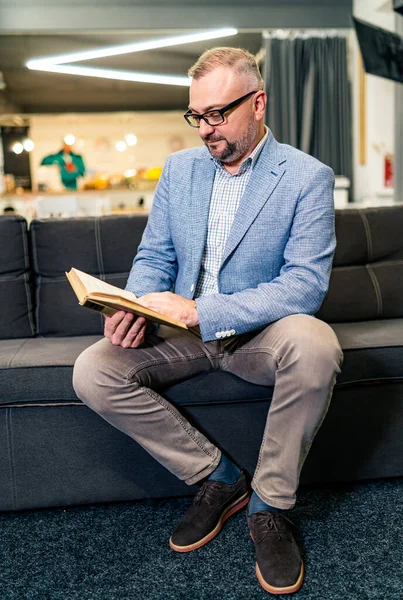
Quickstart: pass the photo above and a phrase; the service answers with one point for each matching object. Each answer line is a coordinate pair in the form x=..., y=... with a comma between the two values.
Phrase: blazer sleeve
x=155, y=266
x=304, y=277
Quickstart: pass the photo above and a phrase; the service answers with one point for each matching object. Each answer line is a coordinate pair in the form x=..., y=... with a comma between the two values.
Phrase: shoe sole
x=228, y=512
x=290, y=589
x=280, y=590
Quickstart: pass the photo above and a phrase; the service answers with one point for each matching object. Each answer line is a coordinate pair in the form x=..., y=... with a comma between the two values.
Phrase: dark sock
x=257, y=505
x=226, y=471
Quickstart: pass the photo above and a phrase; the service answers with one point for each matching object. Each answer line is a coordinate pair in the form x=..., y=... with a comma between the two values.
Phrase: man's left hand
x=172, y=305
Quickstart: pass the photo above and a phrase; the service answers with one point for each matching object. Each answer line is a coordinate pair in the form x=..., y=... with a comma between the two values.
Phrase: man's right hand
x=125, y=329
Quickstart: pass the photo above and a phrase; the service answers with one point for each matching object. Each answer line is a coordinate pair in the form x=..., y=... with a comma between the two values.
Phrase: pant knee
x=82, y=375
x=89, y=380
x=315, y=352
x=327, y=347
x=309, y=335
x=99, y=379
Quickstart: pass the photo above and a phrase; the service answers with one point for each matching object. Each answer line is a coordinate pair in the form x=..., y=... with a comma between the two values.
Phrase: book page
x=94, y=285
x=106, y=298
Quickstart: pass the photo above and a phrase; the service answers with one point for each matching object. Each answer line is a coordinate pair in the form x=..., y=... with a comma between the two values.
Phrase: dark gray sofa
x=54, y=451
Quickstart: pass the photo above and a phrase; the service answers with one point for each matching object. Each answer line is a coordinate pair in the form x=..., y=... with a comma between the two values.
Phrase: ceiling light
x=17, y=148
x=135, y=47
x=120, y=75
x=54, y=64
x=70, y=139
x=28, y=145
x=121, y=146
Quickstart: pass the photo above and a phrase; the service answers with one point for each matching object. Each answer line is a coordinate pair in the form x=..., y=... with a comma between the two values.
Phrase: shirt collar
x=256, y=152
x=251, y=159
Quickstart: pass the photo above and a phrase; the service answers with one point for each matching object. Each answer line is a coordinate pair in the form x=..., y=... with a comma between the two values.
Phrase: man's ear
x=260, y=105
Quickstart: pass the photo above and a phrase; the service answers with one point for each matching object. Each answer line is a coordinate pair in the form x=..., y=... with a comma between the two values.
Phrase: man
x=243, y=231
x=71, y=165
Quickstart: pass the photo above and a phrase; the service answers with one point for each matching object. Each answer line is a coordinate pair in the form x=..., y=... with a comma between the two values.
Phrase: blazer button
x=232, y=332
x=192, y=287
x=219, y=334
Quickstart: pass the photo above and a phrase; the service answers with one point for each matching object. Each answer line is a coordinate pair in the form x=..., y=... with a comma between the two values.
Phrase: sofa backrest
x=16, y=314
x=367, y=276
x=366, y=281
x=101, y=246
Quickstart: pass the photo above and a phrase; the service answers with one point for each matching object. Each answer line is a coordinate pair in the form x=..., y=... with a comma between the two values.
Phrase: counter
x=78, y=203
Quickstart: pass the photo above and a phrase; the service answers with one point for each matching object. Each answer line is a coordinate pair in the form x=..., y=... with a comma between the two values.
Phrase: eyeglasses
x=214, y=117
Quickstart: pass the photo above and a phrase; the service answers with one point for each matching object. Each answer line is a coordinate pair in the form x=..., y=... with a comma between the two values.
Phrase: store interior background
x=100, y=113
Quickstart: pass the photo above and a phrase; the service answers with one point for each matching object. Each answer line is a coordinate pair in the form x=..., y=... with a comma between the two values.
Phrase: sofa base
x=64, y=454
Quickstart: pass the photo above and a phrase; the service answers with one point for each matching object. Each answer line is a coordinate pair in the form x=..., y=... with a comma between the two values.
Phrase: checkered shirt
x=225, y=198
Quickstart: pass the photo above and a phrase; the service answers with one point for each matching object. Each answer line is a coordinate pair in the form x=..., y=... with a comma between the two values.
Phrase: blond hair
x=241, y=61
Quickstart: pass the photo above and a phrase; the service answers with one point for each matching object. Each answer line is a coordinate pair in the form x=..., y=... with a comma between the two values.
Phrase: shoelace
x=266, y=523
x=207, y=492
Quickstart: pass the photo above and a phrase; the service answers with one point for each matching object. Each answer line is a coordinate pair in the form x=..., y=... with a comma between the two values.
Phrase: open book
x=108, y=299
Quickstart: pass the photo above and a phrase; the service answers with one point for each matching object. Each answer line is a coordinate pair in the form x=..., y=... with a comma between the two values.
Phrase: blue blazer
x=279, y=252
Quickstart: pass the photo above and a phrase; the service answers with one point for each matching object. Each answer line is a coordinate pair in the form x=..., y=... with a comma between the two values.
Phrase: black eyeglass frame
x=222, y=111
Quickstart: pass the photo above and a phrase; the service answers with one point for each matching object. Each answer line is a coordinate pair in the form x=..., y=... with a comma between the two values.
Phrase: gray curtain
x=309, y=102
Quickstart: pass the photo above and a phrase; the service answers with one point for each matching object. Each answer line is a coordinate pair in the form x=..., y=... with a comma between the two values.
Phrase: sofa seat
x=35, y=370
x=68, y=455
x=373, y=351
x=39, y=371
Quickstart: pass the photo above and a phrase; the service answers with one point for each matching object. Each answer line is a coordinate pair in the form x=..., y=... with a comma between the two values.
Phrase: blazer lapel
x=262, y=183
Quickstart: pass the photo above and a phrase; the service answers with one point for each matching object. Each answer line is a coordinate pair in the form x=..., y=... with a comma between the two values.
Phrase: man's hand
x=172, y=305
x=125, y=329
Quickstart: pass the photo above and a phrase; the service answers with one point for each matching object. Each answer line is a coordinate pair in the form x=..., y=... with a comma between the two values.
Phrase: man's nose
x=205, y=129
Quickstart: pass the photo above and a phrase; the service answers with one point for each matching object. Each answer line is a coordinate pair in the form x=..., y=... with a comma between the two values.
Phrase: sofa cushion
x=373, y=351
x=16, y=314
x=368, y=235
x=367, y=276
x=40, y=370
x=102, y=246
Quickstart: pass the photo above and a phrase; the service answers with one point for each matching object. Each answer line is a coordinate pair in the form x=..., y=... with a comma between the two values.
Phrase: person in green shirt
x=71, y=166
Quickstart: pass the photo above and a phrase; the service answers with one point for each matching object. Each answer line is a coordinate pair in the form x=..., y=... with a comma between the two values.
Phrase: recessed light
x=121, y=146
x=131, y=139
x=28, y=145
x=17, y=148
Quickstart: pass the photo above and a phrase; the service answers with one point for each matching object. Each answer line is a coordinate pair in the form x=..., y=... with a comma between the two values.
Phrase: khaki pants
x=299, y=355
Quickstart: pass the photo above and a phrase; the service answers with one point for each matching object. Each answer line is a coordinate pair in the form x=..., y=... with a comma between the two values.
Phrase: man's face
x=234, y=138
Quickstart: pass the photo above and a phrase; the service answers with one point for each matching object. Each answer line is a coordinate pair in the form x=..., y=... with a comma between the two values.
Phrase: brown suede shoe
x=214, y=503
x=279, y=566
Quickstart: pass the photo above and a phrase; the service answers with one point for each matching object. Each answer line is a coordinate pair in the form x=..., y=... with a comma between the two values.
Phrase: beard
x=232, y=151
